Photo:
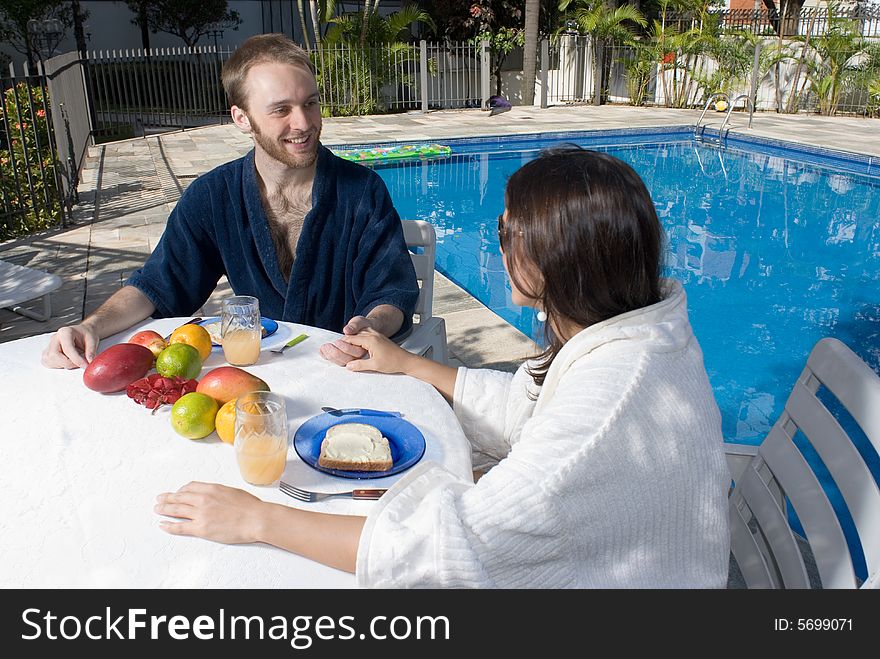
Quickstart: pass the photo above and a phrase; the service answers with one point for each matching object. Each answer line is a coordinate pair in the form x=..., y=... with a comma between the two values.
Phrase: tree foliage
x=189, y=20
x=14, y=17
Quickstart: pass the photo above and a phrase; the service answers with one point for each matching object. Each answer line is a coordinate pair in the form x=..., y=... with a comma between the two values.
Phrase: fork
x=312, y=497
x=292, y=342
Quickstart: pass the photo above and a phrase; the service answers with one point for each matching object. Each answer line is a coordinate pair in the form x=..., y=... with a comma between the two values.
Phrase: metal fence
x=804, y=75
x=138, y=92
x=457, y=75
x=31, y=190
x=369, y=80
x=399, y=77
x=809, y=76
x=866, y=20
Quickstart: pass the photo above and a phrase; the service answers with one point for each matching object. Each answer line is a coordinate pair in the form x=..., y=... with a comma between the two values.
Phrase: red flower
x=668, y=58
x=41, y=114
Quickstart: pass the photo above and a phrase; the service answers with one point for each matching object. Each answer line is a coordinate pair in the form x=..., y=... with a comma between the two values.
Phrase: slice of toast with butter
x=355, y=447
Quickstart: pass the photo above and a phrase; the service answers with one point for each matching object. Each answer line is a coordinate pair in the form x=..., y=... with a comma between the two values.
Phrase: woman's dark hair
x=585, y=221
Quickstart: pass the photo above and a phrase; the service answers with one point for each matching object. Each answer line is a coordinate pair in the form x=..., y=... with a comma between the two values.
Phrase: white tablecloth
x=80, y=471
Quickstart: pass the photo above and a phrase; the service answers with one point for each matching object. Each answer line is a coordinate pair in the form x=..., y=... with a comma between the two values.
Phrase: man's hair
x=586, y=223
x=258, y=50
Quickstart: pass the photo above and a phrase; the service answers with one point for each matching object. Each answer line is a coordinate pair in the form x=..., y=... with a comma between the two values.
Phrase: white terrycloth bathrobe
x=615, y=477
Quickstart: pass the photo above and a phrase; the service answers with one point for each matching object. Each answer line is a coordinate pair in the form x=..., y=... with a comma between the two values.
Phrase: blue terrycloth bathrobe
x=351, y=255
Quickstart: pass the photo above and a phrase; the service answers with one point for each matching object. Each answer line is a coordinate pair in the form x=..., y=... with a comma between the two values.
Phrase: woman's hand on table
x=211, y=511
x=231, y=516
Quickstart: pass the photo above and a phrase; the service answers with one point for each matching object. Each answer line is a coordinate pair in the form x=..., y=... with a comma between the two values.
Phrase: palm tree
x=606, y=26
x=358, y=73
x=313, y=9
x=834, y=59
x=530, y=50
x=300, y=13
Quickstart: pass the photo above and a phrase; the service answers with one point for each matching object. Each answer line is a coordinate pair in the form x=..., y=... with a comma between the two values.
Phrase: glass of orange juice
x=240, y=329
x=261, y=436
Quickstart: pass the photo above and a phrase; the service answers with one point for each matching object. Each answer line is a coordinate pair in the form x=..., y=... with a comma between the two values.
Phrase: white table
x=80, y=471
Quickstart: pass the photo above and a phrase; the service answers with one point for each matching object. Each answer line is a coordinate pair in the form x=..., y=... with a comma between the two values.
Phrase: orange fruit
x=179, y=359
x=193, y=415
x=224, y=422
x=196, y=336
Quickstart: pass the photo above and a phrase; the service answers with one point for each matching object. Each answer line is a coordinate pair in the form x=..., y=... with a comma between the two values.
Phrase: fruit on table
x=179, y=359
x=194, y=335
x=192, y=416
x=227, y=382
x=224, y=422
x=150, y=340
x=156, y=390
x=117, y=367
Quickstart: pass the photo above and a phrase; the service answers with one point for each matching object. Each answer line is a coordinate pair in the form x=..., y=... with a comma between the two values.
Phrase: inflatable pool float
x=397, y=152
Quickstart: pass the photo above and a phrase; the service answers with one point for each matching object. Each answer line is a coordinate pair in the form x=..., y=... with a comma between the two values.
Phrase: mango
x=227, y=382
x=117, y=367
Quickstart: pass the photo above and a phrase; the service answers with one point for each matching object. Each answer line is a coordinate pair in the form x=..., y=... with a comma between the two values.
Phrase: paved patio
x=128, y=189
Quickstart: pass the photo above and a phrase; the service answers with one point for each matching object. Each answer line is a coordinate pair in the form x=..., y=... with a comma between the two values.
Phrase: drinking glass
x=261, y=436
x=240, y=329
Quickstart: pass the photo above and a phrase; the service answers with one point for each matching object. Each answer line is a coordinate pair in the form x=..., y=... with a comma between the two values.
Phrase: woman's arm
x=387, y=357
x=231, y=516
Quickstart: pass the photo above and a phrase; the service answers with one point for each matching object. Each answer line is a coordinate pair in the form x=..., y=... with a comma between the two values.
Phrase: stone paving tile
x=478, y=336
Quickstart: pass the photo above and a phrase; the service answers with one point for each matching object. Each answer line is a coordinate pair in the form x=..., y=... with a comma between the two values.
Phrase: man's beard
x=277, y=152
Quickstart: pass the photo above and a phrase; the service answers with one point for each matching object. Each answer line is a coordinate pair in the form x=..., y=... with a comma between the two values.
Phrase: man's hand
x=339, y=352
x=71, y=347
x=76, y=346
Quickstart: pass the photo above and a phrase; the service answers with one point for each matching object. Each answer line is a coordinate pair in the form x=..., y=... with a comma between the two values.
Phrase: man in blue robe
x=314, y=237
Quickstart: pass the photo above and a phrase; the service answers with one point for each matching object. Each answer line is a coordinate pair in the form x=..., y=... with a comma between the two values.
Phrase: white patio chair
x=20, y=283
x=428, y=337
x=775, y=474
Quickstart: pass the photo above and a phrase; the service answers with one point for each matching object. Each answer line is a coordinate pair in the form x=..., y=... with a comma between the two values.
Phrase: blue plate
x=405, y=440
x=268, y=324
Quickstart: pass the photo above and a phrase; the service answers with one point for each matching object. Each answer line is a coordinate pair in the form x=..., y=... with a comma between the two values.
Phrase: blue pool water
x=776, y=249
x=774, y=253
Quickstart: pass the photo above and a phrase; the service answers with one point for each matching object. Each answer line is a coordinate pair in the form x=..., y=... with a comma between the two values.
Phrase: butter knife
x=362, y=412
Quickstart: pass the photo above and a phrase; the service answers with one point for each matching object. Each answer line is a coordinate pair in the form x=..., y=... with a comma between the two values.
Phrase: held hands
x=341, y=352
x=215, y=512
x=71, y=347
x=385, y=356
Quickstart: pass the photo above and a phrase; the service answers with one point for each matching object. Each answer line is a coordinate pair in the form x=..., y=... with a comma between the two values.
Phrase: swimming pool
x=776, y=247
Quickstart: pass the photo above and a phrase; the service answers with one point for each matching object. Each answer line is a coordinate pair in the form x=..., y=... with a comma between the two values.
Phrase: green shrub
x=26, y=161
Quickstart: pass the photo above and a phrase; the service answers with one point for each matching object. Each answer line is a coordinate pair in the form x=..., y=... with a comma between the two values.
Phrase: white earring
x=542, y=317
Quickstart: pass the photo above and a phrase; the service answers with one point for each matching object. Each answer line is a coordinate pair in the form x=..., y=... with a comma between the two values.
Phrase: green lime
x=179, y=359
x=193, y=415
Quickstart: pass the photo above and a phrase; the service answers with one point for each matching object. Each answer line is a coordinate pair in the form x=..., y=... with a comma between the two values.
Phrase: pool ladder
x=730, y=105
